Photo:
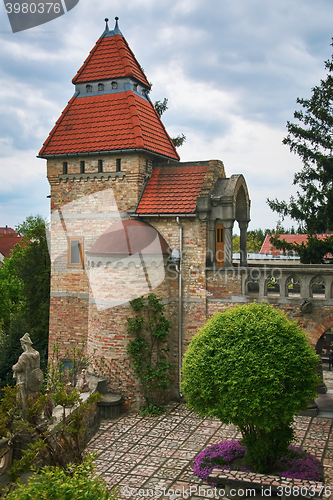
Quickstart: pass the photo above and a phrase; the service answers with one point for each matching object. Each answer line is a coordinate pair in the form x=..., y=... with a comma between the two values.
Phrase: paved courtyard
x=151, y=456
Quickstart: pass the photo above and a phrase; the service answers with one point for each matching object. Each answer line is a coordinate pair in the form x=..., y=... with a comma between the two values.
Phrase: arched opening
x=317, y=287
x=272, y=287
x=293, y=286
x=324, y=348
x=252, y=286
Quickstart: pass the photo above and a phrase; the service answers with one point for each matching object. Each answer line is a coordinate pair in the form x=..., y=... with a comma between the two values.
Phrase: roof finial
x=106, y=26
x=116, y=26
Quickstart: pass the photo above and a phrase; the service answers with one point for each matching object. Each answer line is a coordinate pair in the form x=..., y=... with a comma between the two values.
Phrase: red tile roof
x=268, y=248
x=172, y=190
x=109, y=122
x=8, y=230
x=7, y=243
x=110, y=58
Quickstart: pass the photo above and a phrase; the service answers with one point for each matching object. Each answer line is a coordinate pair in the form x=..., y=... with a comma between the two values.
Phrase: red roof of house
x=5, y=231
x=172, y=190
x=268, y=248
x=7, y=243
x=115, y=119
x=109, y=122
x=110, y=58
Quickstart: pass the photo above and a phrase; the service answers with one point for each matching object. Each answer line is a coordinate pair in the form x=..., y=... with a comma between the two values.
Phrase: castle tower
x=99, y=155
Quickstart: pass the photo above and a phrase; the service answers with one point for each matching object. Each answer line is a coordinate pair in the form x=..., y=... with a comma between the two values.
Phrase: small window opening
x=75, y=252
x=100, y=166
x=114, y=85
x=219, y=245
x=101, y=86
x=135, y=87
x=82, y=166
x=88, y=88
x=65, y=167
x=118, y=165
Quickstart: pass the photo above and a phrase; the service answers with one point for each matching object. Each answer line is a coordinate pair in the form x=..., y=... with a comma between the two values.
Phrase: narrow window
x=100, y=166
x=88, y=88
x=65, y=167
x=101, y=86
x=219, y=245
x=82, y=166
x=135, y=87
x=114, y=85
x=75, y=252
x=118, y=165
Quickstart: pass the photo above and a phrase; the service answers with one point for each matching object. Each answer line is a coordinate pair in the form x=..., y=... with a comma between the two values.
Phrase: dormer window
x=88, y=88
x=114, y=85
x=135, y=87
x=101, y=86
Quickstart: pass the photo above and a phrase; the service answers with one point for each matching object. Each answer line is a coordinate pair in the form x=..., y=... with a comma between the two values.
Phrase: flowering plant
x=217, y=456
x=299, y=464
x=302, y=465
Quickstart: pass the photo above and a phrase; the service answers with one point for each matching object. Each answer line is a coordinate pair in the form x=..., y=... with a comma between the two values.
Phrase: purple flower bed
x=217, y=456
x=301, y=465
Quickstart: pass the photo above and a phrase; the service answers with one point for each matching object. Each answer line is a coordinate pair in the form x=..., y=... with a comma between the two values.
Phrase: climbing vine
x=148, y=351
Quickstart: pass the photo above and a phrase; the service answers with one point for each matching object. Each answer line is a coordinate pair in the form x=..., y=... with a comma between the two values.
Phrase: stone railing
x=283, y=284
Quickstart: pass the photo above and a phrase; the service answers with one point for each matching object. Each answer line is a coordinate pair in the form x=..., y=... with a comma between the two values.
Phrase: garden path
x=146, y=456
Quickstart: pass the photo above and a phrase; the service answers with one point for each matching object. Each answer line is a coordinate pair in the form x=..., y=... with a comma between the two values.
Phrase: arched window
x=252, y=286
x=114, y=85
x=88, y=88
x=272, y=286
x=101, y=86
x=293, y=286
x=317, y=287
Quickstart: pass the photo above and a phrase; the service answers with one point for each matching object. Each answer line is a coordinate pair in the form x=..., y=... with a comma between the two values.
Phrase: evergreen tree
x=312, y=139
x=24, y=296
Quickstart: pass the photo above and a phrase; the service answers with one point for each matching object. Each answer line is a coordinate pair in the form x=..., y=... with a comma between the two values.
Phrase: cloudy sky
x=231, y=69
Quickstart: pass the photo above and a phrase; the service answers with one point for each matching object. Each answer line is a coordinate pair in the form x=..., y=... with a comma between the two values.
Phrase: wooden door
x=219, y=245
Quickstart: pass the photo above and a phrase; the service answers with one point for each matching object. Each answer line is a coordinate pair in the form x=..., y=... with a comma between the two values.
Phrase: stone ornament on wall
x=29, y=377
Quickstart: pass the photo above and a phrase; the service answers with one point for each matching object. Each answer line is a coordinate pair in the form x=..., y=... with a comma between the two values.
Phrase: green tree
x=252, y=367
x=311, y=138
x=25, y=296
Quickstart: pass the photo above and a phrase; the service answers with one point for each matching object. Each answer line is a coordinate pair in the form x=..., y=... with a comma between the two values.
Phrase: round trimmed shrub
x=252, y=367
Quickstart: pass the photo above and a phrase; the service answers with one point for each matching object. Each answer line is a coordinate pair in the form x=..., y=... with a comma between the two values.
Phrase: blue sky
x=231, y=69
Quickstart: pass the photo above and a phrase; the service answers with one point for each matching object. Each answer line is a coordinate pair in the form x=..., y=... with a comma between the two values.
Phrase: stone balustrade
x=301, y=284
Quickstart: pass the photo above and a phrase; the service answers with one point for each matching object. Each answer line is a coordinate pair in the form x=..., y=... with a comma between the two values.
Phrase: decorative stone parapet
x=239, y=484
x=284, y=283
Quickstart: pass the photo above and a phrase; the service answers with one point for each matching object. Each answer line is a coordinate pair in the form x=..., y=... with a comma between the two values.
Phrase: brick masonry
x=90, y=304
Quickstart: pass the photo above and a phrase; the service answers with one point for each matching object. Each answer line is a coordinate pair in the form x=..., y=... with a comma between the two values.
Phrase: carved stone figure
x=83, y=384
x=27, y=372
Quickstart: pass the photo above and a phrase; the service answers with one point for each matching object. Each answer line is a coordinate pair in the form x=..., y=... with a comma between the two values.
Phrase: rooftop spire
x=106, y=24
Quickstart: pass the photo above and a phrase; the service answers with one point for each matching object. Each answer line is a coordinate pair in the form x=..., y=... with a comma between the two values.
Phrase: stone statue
x=27, y=372
x=83, y=384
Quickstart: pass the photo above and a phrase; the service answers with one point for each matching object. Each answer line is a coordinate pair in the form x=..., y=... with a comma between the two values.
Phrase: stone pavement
x=153, y=456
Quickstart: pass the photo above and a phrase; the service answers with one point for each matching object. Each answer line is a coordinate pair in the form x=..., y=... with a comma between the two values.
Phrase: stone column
x=243, y=242
x=228, y=225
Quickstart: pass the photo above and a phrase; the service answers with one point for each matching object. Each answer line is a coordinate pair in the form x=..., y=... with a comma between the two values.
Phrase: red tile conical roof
x=110, y=58
x=110, y=110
